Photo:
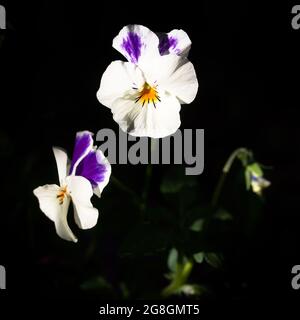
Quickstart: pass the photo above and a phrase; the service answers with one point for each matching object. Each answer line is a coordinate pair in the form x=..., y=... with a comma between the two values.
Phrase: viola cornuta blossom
x=145, y=94
x=87, y=173
x=258, y=183
x=255, y=178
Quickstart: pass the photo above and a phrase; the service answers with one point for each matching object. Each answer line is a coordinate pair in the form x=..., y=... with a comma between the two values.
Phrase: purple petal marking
x=132, y=45
x=92, y=168
x=166, y=43
x=83, y=145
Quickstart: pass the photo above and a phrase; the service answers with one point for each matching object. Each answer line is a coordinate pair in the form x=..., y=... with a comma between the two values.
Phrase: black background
x=51, y=61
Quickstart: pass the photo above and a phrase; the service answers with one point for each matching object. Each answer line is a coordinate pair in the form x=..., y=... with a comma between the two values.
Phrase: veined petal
x=155, y=121
x=136, y=43
x=176, y=41
x=81, y=191
x=54, y=210
x=96, y=168
x=61, y=158
x=176, y=75
x=83, y=145
x=118, y=80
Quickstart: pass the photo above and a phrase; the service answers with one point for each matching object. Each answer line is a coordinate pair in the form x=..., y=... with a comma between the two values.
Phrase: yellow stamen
x=62, y=193
x=148, y=95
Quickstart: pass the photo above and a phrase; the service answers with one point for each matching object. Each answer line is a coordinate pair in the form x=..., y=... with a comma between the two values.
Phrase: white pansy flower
x=145, y=94
x=88, y=173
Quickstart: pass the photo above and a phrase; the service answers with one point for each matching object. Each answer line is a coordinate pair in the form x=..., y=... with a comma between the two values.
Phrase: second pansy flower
x=145, y=94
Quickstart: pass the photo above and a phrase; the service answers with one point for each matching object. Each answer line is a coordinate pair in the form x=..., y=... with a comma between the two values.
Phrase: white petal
x=61, y=163
x=47, y=196
x=155, y=122
x=118, y=80
x=137, y=43
x=49, y=204
x=175, y=75
x=81, y=192
x=176, y=42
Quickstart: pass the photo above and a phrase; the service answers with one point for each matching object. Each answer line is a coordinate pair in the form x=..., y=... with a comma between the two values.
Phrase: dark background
x=52, y=57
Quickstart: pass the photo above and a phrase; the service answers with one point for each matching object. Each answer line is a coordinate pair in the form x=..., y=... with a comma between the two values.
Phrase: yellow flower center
x=62, y=193
x=148, y=95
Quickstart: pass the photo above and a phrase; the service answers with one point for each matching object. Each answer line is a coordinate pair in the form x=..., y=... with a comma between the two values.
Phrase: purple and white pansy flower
x=87, y=173
x=145, y=94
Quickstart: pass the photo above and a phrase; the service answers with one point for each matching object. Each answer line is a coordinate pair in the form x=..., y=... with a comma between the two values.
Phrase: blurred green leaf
x=173, y=259
x=255, y=167
x=97, y=283
x=199, y=257
x=192, y=289
x=197, y=226
x=214, y=259
x=223, y=215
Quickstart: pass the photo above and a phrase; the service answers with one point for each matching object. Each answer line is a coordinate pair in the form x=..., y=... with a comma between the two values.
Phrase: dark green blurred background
x=52, y=57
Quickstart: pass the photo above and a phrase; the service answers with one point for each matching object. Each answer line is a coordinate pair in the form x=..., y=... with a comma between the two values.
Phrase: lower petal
x=155, y=121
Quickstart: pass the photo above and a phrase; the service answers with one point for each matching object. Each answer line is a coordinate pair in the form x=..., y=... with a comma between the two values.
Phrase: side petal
x=95, y=168
x=155, y=121
x=81, y=191
x=176, y=42
x=61, y=163
x=174, y=74
x=136, y=43
x=51, y=207
x=83, y=145
x=118, y=80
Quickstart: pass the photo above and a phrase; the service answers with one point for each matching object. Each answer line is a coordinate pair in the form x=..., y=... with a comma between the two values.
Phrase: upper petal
x=96, y=168
x=157, y=121
x=61, y=163
x=50, y=205
x=136, y=43
x=81, y=191
x=176, y=41
x=118, y=80
x=83, y=145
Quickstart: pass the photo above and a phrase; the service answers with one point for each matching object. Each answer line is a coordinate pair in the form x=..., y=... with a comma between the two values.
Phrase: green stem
x=236, y=153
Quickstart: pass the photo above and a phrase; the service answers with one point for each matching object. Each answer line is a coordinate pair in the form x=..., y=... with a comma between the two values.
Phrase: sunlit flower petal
x=118, y=80
x=61, y=158
x=81, y=191
x=176, y=41
x=174, y=75
x=156, y=121
x=83, y=145
x=137, y=43
x=55, y=204
x=95, y=168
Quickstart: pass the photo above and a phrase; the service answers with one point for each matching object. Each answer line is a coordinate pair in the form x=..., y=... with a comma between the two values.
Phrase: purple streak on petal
x=166, y=43
x=83, y=143
x=92, y=168
x=132, y=45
